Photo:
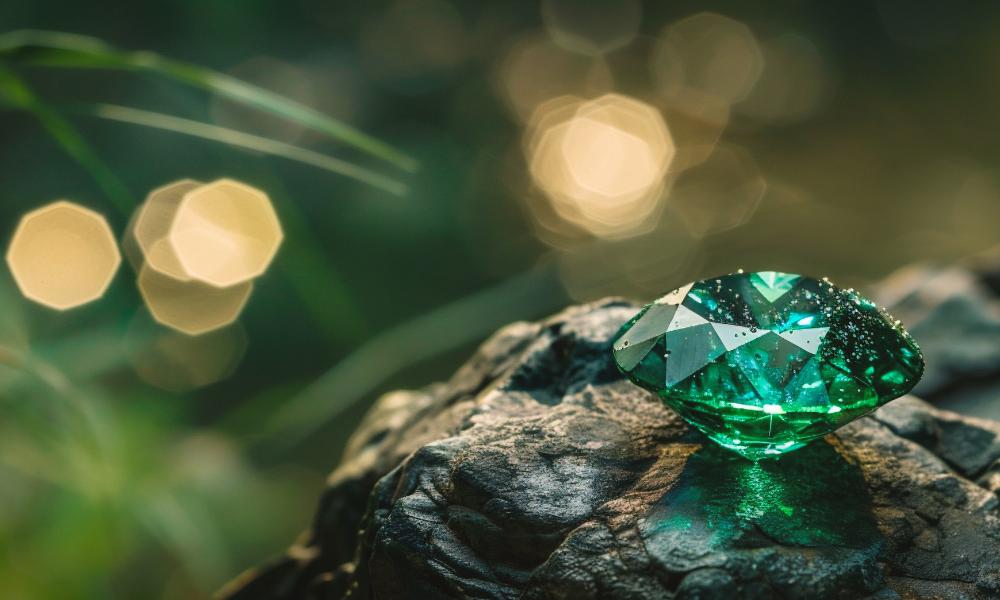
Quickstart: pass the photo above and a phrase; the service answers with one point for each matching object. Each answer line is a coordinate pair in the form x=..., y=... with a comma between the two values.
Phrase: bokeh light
x=225, y=233
x=845, y=142
x=129, y=245
x=720, y=194
x=63, y=255
x=697, y=121
x=536, y=70
x=191, y=307
x=601, y=163
x=795, y=84
x=152, y=225
x=709, y=53
x=592, y=26
x=176, y=362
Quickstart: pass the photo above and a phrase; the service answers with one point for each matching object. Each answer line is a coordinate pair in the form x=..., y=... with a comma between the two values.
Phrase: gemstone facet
x=765, y=362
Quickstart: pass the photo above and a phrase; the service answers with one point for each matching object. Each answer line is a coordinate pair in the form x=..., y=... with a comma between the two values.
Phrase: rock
x=538, y=472
x=954, y=313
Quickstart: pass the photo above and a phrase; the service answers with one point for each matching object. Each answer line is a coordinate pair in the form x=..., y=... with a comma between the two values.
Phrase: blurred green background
x=863, y=136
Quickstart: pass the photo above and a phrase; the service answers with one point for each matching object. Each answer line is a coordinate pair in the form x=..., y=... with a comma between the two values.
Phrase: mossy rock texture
x=539, y=472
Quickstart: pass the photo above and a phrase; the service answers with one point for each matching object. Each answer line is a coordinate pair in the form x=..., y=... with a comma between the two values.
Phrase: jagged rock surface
x=538, y=472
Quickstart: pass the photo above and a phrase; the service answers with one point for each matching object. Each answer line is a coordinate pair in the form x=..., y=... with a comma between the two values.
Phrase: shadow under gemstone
x=723, y=504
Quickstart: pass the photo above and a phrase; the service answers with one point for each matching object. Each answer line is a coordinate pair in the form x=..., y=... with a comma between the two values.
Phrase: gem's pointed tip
x=753, y=457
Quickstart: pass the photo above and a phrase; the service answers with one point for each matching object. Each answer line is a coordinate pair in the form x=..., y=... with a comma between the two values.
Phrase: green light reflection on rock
x=722, y=508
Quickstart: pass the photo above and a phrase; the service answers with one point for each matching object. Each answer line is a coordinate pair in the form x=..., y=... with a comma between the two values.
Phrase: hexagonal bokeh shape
x=711, y=53
x=225, y=233
x=636, y=118
x=536, y=70
x=152, y=226
x=191, y=307
x=622, y=128
x=176, y=362
x=602, y=163
x=63, y=255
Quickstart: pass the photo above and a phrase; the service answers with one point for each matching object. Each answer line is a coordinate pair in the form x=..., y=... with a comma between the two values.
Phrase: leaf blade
x=66, y=50
x=240, y=139
x=20, y=96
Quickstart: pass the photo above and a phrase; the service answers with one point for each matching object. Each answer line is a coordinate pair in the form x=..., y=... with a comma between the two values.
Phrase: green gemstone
x=765, y=362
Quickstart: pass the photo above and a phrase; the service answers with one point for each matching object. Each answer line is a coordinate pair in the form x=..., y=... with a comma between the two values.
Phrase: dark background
x=890, y=159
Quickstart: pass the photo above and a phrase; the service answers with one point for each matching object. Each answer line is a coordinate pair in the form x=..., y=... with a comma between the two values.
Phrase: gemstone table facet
x=765, y=362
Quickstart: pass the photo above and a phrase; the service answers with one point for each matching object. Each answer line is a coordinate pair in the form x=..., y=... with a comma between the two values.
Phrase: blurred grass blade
x=15, y=93
x=462, y=322
x=58, y=49
x=243, y=140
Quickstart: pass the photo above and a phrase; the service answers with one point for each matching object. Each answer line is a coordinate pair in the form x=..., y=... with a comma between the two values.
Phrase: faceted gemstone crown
x=764, y=362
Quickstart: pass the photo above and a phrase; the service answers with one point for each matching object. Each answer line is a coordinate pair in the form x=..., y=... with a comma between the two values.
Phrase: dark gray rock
x=954, y=313
x=537, y=472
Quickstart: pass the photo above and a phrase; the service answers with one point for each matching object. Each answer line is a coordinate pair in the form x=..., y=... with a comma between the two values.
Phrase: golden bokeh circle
x=152, y=225
x=191, y=307
x=602, y=163
x=710, y=53
x=178, y=363
x=63, y=255
x=225, y=233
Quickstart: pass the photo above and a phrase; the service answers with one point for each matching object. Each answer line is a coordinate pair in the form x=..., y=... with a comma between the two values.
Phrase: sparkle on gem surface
x=765, y=362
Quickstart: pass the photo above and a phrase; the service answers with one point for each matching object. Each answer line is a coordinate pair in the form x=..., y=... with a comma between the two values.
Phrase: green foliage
x=101, y=481
x=67, y=50
x=17, y=94
x=246, y=141
x=96, y=488
x=70, y=51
